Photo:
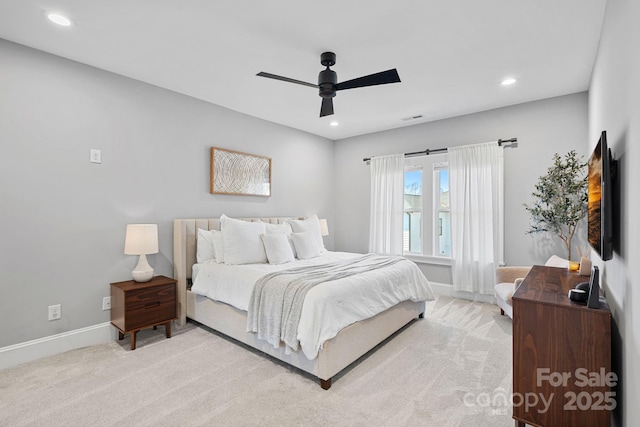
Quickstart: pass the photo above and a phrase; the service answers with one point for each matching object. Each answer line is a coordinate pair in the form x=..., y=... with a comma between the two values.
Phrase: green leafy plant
x=560, y=198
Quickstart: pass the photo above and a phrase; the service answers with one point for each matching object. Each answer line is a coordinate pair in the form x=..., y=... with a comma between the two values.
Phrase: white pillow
x=242, y=244
x=283, y=228
x=306, y=245
x=311, y=224
x=204, y=246
x=218, y=246
x=278, y=248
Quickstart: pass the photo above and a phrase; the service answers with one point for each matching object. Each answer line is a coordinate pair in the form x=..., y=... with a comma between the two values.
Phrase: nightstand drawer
x=150, y=313
x=144, y=298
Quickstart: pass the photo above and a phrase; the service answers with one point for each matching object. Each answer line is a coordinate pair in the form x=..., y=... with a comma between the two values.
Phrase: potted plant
x=560, y=198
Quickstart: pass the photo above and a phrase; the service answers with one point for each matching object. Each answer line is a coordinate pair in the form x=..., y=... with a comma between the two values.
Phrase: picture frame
x=238, y=173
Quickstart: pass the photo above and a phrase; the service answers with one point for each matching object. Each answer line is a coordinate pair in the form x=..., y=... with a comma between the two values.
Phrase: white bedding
x=328, y=307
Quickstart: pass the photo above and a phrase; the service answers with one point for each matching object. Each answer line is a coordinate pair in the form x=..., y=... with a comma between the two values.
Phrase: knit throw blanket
x=276, y=302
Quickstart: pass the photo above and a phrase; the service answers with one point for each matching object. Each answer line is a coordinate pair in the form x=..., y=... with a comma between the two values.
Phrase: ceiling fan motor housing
x=327, y=81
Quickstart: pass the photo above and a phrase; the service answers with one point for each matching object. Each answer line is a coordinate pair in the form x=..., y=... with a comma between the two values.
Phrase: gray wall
x=542, y=128
x=614, y=106
x=63, y=219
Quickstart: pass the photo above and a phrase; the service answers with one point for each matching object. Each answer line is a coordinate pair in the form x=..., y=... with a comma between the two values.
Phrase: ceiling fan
x=328, y=81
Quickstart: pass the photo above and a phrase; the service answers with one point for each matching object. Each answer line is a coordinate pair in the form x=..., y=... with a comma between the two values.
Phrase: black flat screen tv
x=600, y=212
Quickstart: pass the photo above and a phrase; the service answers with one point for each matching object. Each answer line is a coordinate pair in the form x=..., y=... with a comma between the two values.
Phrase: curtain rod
x=501, y=142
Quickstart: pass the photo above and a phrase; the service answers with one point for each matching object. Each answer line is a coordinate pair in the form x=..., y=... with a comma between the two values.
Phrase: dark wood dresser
x=561, y=354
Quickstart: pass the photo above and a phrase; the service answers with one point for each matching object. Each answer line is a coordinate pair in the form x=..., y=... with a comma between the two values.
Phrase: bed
x=335, y=354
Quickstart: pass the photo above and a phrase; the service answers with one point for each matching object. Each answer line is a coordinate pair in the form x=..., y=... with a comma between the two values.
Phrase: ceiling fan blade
x=326, y=109
x=381, y=78
x=285, y=79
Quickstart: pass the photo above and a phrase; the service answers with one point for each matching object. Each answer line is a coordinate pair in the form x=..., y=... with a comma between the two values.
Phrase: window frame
x=429, y=237
x=436, y=223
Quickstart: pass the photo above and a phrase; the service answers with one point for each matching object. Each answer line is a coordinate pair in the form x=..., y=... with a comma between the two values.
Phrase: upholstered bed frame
x=338, y=353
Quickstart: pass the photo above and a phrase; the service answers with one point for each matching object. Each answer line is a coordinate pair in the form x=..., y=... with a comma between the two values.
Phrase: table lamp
x=324, y=227
x=141, y=239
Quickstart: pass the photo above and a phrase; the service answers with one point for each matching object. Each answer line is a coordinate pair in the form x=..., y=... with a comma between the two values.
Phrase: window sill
x=427, y=259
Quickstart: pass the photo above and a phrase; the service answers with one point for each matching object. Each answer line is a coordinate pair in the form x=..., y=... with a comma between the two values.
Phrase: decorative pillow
x=306, y=245
x=311, y=224
x=283, y=228
x=242, y=244
x=218, y=246
x=204, y=246
x=278, y=248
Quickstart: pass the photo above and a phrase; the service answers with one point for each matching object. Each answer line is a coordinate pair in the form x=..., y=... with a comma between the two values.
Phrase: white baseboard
x=48, y=346
x=446, y=289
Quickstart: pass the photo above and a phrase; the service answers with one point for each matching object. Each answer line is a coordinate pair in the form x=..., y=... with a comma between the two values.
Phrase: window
x=412, y=231
x=427, y=223
x=442, y=242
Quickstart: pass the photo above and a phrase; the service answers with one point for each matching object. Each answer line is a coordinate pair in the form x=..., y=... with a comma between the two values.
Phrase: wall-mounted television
x=600, y=217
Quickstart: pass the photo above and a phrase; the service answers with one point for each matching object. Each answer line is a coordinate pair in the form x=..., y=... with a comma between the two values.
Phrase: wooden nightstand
x=136, y=306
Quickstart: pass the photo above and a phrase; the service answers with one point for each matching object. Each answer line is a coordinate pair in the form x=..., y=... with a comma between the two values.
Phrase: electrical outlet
x=54, y=312
x=106, y=303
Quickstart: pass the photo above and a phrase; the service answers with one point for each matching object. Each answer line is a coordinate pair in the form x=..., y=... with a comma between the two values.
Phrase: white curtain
x=476, y=202
x=387, y=204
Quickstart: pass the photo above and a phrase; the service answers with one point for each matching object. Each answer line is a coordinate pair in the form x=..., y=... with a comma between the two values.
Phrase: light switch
x=95, y=156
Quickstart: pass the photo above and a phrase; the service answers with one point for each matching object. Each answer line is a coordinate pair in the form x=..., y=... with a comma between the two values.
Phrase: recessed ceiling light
x=56, y=18
x=508, y=81
x=334, y=123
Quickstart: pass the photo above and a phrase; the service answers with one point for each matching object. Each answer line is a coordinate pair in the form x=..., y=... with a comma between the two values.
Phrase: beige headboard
x=185, y=236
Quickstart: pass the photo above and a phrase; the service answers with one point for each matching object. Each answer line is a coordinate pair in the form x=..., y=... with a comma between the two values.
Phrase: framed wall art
x=234, y=172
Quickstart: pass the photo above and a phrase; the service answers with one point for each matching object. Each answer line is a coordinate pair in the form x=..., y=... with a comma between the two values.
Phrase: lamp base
x=143, y=271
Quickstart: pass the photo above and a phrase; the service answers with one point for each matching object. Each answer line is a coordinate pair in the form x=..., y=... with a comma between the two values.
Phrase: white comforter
x=328, y=307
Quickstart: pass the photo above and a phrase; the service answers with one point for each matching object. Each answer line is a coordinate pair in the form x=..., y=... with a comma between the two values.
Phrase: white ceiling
x=451, y=54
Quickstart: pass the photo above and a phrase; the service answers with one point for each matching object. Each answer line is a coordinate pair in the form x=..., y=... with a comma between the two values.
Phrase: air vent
x=419, y=116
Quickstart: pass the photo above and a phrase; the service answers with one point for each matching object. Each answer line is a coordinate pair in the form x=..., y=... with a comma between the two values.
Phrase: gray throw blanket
x=276, y=302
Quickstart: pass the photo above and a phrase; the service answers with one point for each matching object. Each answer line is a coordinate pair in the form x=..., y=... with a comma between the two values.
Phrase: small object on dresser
x=578, y=295
x=136, y=306
x=594, y=289
x=583, y=286
x=585, y=266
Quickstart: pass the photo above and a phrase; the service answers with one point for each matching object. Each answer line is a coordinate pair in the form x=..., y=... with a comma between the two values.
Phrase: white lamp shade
x=324, y=227
x=141, y=239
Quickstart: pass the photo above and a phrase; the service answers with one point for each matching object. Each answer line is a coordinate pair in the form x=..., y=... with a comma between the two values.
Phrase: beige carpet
x=452, y=368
